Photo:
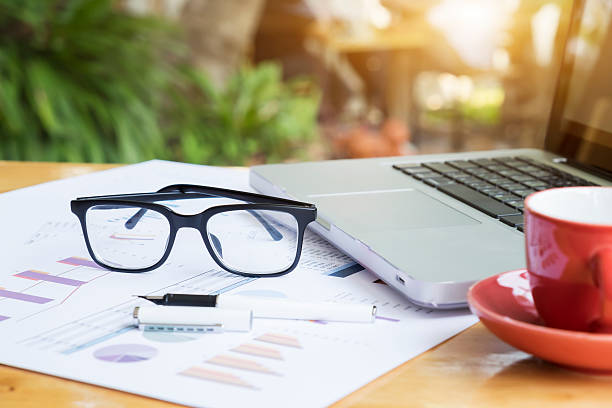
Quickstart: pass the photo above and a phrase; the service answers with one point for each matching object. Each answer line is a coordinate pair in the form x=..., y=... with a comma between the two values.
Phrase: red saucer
x=504, y=304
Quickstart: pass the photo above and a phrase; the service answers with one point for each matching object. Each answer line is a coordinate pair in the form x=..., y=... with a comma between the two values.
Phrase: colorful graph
x=24, y=297
x=3, y=318
x=78, y=261
x=97, y=328
x=280, y=339
x=125, y=353
x=215, y=376
x=258, y=351
x=240, y=364
x=43, y=276
x=345, y=270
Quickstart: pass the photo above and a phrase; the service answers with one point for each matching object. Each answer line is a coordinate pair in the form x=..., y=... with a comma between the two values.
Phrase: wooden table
x=473, y=369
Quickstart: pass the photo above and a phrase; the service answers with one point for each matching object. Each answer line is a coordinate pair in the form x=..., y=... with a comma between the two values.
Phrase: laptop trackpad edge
x=392, y=210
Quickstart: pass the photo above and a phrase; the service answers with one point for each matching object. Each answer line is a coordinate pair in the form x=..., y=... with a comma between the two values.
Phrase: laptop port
x=400, y=279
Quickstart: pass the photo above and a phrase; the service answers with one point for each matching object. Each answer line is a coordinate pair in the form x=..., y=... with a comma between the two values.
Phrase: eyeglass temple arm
x=275, y=234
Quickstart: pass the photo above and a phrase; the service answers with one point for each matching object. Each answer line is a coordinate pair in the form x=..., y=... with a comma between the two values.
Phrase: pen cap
x=231, y=320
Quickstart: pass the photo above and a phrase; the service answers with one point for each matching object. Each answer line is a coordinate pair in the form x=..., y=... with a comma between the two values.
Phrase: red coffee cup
x=568, y=235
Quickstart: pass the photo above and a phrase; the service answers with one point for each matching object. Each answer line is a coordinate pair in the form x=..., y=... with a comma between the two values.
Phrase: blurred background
x=239, y=82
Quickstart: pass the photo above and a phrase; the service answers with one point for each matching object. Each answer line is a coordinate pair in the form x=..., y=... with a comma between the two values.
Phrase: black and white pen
x=274, y=308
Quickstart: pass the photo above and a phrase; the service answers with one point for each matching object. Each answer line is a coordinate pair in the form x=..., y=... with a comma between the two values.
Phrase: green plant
x=82, y=81
x=256, y=116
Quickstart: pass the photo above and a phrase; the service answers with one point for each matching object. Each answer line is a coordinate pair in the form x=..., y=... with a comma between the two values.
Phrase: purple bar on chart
x=24, y=296
x=390, y=319
x=3, y=318
x=50, y=278
x=76, y=261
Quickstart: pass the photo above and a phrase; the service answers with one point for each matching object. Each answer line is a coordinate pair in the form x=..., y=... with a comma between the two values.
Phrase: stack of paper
x=62, y=314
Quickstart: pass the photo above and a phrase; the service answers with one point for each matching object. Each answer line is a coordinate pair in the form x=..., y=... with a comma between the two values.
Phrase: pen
x=191, y=319
x=274, y=308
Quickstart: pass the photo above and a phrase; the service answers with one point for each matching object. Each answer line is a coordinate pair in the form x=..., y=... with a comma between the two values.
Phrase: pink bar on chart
x=76, y=261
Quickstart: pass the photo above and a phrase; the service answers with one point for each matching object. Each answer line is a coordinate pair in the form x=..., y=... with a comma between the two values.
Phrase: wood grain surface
x=473, y=369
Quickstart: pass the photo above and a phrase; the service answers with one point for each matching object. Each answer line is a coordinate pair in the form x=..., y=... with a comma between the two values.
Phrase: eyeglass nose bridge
x=188, y=221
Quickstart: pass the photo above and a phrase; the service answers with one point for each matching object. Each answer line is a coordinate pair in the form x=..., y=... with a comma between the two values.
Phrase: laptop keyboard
x=495, y=186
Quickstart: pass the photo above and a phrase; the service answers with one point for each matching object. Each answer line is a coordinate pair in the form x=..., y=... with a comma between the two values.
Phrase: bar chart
x=33, y=291
x=114, y=321
x=253, y=359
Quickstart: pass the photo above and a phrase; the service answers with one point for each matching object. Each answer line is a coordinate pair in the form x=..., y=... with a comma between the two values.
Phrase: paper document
x=62, y=314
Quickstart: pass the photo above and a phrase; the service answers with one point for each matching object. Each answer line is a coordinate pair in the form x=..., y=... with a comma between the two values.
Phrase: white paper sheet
x=60, y=314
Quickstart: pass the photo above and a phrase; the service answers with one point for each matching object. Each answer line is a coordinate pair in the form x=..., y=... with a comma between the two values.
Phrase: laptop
x=432, y=225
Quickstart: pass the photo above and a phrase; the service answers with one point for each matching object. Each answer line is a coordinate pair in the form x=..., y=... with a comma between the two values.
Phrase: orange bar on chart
x=258, y=351
x=240, y=363
x=216, y=376
x=281, y=339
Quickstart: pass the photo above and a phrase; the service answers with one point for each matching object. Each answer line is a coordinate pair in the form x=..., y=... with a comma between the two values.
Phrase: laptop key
x=479, y=184
x=438, y=181
x=512, y=187
x=477, y=200
x=440, y=167
x=497, y=167
x=496, y=193
x=541, y=173
x=483, y=162
x=518, y=204
x=506, y=198
x=528, y=169
x=425, y=175
x=415, y=169
x=513, y=220
x=522, y=178
x=510, y=173
x=461, y=164
x=477, y=171
x=515, y=164
x=534, y=183
x=523, y=193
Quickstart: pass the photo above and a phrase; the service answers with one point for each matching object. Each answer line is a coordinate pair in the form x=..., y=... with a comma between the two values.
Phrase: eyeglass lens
x=254, y=241
x=117, y=242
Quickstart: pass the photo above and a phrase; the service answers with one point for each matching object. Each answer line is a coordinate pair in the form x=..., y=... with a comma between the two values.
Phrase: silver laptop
x=432, y=225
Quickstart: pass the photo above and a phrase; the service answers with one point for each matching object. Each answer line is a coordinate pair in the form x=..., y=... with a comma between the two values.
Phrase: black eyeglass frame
x=304, y=213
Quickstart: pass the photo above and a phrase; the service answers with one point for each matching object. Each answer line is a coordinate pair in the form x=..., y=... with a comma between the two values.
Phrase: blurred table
x=401, y=44
x=473, y=369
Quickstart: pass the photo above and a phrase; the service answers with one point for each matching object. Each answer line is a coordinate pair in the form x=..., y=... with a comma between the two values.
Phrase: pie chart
x=125, y=353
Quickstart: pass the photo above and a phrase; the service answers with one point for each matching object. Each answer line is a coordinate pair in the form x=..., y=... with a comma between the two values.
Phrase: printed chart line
x=345, y=270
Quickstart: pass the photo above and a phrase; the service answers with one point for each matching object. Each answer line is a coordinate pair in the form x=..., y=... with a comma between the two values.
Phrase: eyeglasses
x=262, y=236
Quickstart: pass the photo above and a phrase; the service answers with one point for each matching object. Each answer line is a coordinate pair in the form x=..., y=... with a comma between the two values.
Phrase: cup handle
x=601, y=265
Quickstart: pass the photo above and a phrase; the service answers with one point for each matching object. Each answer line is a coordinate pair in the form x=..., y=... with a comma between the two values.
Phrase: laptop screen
x=581, y=120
